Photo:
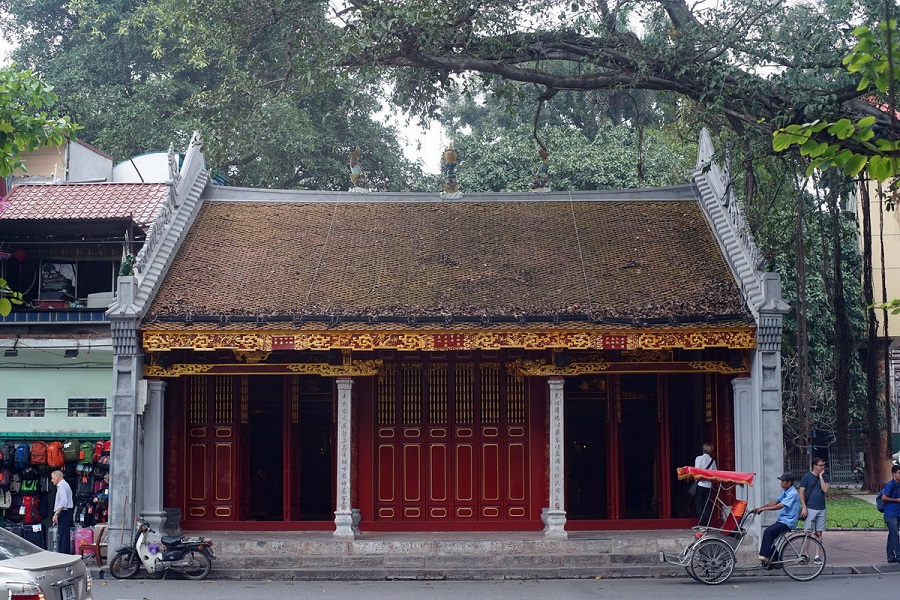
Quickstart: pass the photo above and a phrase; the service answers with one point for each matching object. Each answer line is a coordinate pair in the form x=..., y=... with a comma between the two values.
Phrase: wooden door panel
x=490, y=472
x=465, y=473
x=518, y=465
x=387, y=481
x=437, y=473
x=442, y=430
x=197, y=492
x=412, y=473
x=210, y=407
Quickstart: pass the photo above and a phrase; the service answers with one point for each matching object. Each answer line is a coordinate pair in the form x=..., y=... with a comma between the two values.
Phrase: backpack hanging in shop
x=86, y=453
x=39, y=453
x=55, y=456
x=98, y=451
x=31, y=509
x=5, y=499
x=5, y=478
x=29, y=487
x=8, y=452
x=23, y=456
x=70, y=450
x=84, y=488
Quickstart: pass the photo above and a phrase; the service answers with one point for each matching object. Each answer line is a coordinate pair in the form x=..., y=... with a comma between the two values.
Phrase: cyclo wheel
x=204, y=565
x=798, y=557
x=124, y=565
x=690, y=572
x=712, y=561
x=685, y=553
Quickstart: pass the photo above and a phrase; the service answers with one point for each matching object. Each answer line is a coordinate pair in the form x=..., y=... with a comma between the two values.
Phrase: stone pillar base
x=355, y=518
x=173, y=521
x=157, y=522
x=343, y=525
x=555, y=523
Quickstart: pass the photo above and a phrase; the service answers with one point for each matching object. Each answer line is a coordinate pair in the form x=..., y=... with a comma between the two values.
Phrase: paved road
x=742, y=588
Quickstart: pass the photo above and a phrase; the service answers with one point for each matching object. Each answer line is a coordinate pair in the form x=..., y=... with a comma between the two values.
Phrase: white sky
x=419, y=144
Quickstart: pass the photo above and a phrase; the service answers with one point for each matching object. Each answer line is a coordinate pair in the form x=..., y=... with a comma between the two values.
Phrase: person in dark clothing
x=812, y=488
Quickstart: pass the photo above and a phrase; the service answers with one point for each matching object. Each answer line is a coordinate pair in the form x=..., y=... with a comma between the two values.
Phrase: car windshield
x=12, y=546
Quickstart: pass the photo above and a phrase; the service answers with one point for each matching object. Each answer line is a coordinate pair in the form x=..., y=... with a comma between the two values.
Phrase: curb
x=475, y=574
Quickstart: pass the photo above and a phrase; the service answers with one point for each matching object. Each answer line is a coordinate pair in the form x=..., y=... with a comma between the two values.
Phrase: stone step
x=458, y=573
x=496, y=561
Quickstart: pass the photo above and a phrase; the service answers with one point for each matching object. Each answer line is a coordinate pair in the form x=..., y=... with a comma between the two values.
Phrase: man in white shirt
x=701, y=498
x=63, y=510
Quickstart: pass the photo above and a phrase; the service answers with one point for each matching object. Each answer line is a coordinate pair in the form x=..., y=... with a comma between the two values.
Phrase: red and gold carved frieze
x=532, y=368
x=356, y=368
x=739, y=338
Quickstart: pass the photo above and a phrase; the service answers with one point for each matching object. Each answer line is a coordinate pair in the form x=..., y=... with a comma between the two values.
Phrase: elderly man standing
x=63, y=510
x=788, y=502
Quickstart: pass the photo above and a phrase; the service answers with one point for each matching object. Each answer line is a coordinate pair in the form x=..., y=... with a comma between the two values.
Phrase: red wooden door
x=211, y=448
x=451, y=445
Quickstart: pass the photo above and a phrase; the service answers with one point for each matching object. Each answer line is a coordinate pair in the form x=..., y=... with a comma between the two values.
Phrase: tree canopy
x=27, y=122
x=262, y=126
x=757, y=63
x=27, y=118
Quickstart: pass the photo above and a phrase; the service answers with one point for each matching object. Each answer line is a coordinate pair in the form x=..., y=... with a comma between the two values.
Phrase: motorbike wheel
x=124, y=565
x=204, y=565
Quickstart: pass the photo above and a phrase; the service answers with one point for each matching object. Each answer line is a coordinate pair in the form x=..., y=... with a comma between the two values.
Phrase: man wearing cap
x=789, y=505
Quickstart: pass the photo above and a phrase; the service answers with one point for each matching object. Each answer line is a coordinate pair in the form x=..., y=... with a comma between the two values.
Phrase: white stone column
x=766, y=391
x=152, y=457
x=343, y=515
x=555, y=514
x=127, y=372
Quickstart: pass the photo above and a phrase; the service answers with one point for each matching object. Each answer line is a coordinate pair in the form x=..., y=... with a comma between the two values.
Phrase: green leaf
x=866, y=122
x=881, y=168
x=842, y=129
x=855, y=164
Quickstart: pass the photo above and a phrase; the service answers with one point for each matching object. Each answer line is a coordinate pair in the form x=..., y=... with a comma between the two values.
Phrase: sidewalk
x=856, y=551
x=498, y=555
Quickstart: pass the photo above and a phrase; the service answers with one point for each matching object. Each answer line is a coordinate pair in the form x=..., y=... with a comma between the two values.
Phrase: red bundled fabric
x=715, y=475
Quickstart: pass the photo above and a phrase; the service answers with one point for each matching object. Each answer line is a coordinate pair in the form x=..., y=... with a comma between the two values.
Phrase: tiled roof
x=84, y=201
x=600, y=256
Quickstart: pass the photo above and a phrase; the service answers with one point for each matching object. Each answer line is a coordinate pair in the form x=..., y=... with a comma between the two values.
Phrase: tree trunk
x=876, y=447
x=803, y=421
x=844, y=340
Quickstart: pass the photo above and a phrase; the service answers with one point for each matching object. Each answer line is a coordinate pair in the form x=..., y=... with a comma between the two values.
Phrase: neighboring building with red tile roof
x=85, y=201
x=498, y=361
x=61, y=246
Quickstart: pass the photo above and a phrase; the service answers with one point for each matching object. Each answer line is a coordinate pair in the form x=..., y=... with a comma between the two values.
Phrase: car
x=28, y=572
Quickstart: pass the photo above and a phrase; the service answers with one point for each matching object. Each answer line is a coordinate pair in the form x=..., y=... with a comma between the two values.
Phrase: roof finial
x=451, y=185
x=357, y=176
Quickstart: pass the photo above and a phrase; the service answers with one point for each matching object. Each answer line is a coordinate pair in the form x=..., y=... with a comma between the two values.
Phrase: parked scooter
x=191, y=556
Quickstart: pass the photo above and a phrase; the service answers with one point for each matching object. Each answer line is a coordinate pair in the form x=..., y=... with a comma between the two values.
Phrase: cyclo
x=711, y=556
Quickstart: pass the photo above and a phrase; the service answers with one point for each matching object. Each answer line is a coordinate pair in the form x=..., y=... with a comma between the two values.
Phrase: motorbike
x=190, y=556
x=858, y=474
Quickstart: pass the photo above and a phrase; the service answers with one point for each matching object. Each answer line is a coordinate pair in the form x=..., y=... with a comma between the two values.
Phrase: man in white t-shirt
x=701, y=498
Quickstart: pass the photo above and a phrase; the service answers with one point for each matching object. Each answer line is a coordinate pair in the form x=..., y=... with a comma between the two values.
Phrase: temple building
x=304, y=360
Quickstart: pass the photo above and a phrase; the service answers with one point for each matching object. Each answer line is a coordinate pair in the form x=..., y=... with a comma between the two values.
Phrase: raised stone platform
x=491, y=555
